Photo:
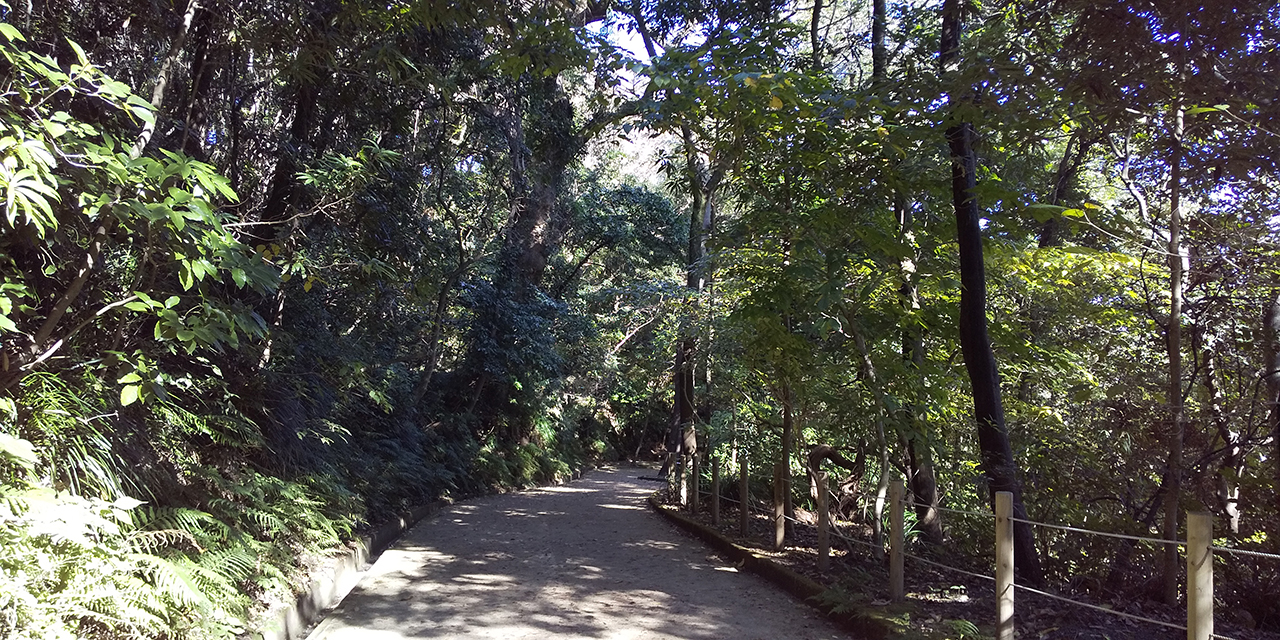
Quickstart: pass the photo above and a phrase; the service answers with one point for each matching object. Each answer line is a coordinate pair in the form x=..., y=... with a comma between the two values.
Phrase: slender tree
x=993, y=438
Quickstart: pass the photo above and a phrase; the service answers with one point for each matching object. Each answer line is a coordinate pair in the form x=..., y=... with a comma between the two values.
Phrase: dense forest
x=275, y=270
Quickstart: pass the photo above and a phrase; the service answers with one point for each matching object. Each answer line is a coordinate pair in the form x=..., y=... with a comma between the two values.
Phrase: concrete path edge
x=292, y=622
x=864, y=623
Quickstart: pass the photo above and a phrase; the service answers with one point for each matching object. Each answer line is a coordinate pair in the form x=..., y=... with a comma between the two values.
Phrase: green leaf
x=126, y=503
x=128, y=395
x=137, y=305
x=18, y=450
x=80, y=56
x=1197, y=110
x=172, y=302
x=11, y=32
x=131, y=377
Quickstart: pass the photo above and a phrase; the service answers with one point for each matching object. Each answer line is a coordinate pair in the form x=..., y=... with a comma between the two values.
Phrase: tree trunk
x=201, y=79
x=879, y=54
x=869, y=378
x=975, y=343
x=1227, y=489
x=1051, y=232
x=784, y=459
x=1271, y=375
x=701, y=189
x=1173, y=473
x=815, y=40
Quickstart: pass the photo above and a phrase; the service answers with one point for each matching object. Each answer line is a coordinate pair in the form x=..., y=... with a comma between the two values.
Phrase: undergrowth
x=154, y=522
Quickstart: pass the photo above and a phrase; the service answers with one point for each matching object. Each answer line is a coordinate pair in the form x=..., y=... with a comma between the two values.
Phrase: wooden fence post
x=897, y=578
x=824, y=522
x=1004, y=565
x=1199, y=576
x=779, y=509
x=682, y=480
x=744, y=495
x=673, y=490
x=695, y=491
x=715, y=491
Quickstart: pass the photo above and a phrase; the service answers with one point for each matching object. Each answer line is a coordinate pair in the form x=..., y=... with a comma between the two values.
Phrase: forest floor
x=944, y=604
x=584, y=560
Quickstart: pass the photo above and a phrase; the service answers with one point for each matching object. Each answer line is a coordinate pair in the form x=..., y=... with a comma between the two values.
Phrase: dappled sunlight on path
x=586, y=560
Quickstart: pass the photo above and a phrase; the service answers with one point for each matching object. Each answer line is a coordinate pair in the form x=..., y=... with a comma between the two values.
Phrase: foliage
x=276, y=309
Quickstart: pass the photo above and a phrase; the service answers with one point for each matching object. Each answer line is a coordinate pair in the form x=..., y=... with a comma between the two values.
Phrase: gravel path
x=584, y=560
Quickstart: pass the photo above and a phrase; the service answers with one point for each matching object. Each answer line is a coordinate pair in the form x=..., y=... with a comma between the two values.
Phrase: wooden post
x=682, y=479
x=824, y=523
x=779, y=509
x=672, y=478
x=897, y=576
x=695, y=489
x=1004, y=565
x=1199, y=576
x=715, y=491
x=744, y=495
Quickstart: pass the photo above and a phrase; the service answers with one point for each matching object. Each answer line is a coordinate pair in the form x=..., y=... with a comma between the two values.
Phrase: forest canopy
x=271, y=271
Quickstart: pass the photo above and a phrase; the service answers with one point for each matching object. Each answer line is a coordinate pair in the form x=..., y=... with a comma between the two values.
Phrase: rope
x=1046, y=594
x=1102, y=609
x=855, y=540
x=1246, y=552
x=983, y=514
x=1122, y=536
x=943, y=566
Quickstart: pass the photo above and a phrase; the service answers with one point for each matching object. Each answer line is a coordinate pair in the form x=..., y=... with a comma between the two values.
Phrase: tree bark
x=1051, y=232
x=975, y=343
x=784, y=458
x=1173, y=477
x=879, y=54
x=1227, y=488
x=683, y=432
x=870, y=379
x=815, y=40
x=1271, y=376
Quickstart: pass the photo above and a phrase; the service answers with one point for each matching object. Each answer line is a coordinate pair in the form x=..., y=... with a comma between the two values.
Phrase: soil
x=584, y=560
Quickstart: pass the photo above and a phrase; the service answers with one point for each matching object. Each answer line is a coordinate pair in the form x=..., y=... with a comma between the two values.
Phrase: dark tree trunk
x=1271, y=373
x=879, y=55
x=975, y=343
x=283, y=193
x=815, y=40
x=192, y=137
x=1227, y=489
x=1051, y=232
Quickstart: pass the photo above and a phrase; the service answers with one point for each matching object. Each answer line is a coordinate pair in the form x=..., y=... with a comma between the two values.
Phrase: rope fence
x=1198, y=549
x=981, y=514
x=1107, y=534
x=948, y=568
x=1246, y=552
x=1103, y=609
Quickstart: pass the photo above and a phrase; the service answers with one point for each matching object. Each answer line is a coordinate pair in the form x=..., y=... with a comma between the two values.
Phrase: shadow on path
x=585, y=560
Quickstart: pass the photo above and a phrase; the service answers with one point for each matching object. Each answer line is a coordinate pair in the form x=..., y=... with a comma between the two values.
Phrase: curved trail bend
x=584, y=560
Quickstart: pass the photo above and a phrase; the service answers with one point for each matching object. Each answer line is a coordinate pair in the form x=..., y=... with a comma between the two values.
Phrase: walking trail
x=585, y=560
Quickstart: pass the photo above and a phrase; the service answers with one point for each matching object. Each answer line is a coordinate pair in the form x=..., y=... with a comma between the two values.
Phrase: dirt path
x=585, y=560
